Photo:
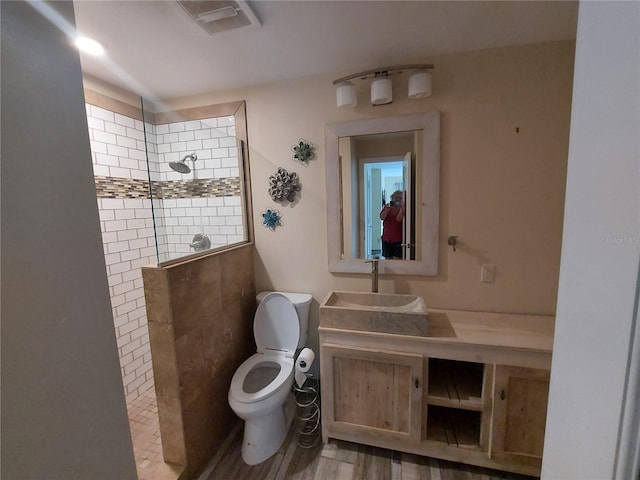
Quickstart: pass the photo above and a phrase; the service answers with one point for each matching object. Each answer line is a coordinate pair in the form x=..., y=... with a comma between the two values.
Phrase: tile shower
x=183, y=206
x=119, y=165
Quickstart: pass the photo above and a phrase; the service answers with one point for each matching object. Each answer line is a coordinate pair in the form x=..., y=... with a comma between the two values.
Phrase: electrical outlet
x=487, y=273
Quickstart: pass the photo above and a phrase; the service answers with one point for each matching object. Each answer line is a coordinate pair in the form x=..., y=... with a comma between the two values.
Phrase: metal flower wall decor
x=303, y=151
x=283, y=185
x=271, y=219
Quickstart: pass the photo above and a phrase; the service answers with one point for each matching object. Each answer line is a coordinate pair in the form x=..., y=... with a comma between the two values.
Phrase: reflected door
x=373, y=225
x=380, y=178
x=408, y=251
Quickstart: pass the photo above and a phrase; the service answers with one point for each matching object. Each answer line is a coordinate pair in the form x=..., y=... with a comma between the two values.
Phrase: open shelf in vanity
x=453, y=402
x=455, y=384
x=454, y=427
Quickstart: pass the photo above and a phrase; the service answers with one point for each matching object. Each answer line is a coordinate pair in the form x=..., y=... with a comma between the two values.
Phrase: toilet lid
x=275, y=326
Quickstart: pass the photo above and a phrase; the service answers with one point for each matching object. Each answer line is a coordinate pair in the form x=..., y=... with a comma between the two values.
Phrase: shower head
x=181, y=167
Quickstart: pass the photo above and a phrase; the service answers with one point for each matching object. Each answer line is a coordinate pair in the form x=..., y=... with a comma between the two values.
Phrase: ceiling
x=154, y=49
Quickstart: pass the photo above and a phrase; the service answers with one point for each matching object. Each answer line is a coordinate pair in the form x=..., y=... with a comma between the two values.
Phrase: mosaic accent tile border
x=114, y=187
x=209, y=187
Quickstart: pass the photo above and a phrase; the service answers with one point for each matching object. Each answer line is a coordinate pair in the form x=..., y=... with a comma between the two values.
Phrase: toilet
x=261, y=388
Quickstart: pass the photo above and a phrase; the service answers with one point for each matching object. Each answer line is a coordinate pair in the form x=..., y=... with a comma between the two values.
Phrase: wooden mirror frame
x=427, y=219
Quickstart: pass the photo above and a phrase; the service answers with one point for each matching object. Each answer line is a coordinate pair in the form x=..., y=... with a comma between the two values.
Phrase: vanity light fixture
x=381, y=91
x=381, y=86
x=420, y=85
x=346, y=95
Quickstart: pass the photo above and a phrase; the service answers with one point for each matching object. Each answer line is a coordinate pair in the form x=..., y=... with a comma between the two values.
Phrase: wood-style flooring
x=339, y=460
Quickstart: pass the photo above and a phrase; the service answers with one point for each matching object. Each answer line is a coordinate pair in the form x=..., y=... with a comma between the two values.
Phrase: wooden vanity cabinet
x=519, y=414
x=374, y=395
x=469, y=398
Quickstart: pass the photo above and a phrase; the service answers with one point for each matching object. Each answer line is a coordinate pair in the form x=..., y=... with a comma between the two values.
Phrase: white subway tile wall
x=119, y=157
x=221, y=218
x=128, y=242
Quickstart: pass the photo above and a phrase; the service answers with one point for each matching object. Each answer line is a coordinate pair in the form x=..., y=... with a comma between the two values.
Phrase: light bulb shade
x=346, y=95
x=420, y=85
x=381, y=91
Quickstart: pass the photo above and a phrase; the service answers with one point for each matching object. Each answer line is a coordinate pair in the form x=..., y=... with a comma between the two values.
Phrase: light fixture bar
x=382, y=71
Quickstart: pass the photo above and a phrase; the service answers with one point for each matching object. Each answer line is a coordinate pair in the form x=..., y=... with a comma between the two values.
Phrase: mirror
x=366, y=162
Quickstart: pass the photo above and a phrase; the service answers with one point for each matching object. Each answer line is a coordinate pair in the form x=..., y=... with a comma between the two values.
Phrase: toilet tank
x=302, y=302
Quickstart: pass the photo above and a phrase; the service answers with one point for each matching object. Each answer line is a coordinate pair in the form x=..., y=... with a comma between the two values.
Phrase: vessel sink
x=375, y=312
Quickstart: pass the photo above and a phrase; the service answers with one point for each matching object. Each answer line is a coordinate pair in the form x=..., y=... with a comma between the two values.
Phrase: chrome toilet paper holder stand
x=307, y=411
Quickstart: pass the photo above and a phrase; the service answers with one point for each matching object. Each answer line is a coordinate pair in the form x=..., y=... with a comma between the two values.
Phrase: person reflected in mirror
x=392, y=216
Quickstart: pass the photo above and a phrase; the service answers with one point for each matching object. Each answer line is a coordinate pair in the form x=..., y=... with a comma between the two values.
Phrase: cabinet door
x=519, y=414
x=371, y=396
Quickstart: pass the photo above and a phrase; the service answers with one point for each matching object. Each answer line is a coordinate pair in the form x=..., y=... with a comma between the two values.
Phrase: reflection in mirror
x=367, y=163
x=375, y=167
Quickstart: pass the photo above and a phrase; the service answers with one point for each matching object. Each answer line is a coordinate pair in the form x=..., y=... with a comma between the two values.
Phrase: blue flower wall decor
x=283, y=185
x=303, y=151
x=271, y=219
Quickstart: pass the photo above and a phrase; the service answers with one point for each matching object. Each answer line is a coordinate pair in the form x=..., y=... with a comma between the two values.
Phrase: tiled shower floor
x=145, y=433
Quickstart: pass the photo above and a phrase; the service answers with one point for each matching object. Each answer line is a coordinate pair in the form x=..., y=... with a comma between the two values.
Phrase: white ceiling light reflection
x=89, y=45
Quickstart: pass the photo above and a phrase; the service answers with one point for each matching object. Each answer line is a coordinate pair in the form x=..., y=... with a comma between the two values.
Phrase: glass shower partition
x=197, y=161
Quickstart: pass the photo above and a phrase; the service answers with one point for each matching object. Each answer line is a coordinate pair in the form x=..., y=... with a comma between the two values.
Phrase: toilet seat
x=237, y=382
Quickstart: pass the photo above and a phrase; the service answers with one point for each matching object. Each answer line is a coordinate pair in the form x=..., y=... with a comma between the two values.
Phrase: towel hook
x=453, y=241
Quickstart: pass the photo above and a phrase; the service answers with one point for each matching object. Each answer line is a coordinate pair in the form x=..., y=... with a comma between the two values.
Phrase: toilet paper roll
x=303, y=364
x=305, y=359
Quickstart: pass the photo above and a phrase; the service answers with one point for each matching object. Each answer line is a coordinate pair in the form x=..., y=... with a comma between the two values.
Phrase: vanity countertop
x=507, y=330
x=499, y=329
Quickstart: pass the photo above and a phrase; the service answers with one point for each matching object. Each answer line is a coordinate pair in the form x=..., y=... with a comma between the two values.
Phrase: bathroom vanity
x=473, y=389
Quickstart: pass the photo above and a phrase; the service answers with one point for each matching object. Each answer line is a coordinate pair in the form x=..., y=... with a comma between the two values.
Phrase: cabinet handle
x=502, y=395
x=417, y=383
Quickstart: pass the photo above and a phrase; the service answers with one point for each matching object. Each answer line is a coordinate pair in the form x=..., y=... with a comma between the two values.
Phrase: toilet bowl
x=261, y=387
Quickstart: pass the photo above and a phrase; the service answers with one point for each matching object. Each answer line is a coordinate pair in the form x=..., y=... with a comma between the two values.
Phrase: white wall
x=63, y=408
x=600, y=249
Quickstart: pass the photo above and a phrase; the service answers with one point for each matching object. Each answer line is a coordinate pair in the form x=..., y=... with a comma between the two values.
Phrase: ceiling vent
x=220, y=16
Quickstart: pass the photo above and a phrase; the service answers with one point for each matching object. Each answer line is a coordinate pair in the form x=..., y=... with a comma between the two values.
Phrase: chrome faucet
x=200, y=242
x=374, y=274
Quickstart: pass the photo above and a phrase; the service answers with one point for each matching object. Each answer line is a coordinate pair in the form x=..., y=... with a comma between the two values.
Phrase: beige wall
x=502, y=192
